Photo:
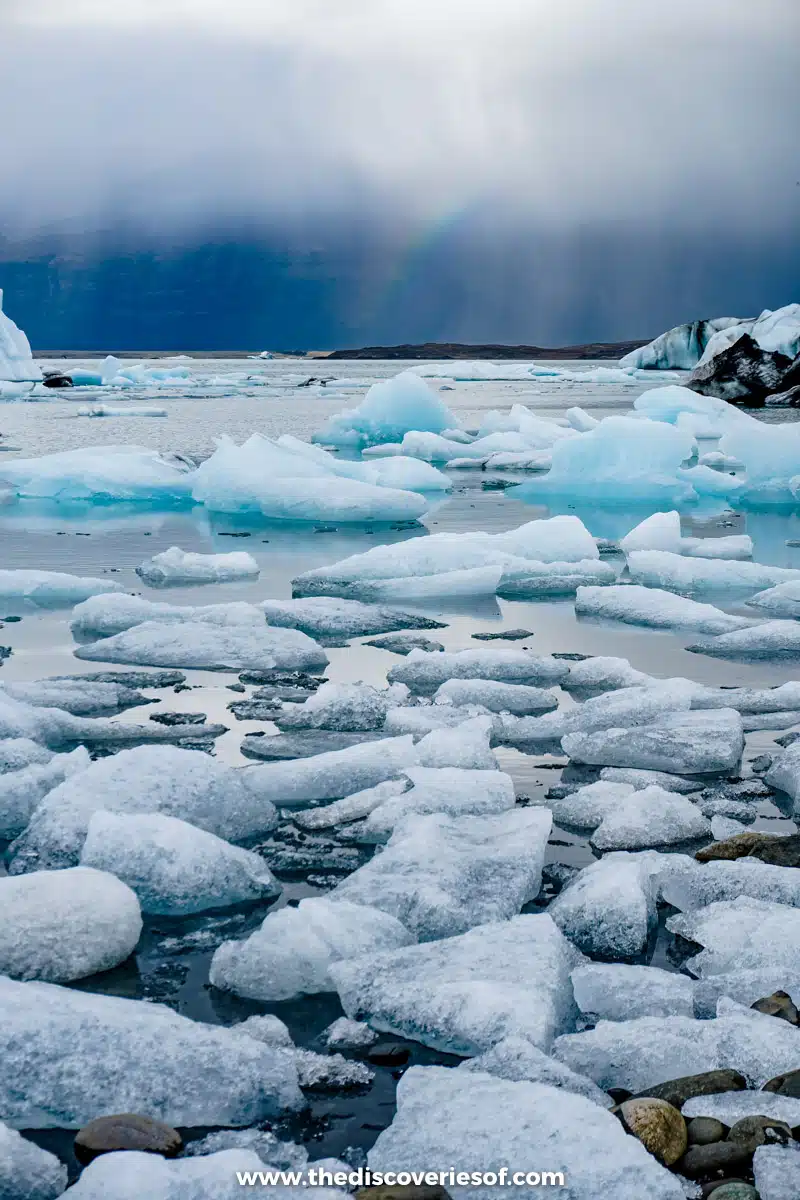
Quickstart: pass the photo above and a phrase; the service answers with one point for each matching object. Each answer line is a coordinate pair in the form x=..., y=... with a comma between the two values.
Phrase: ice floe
x=623, y=707
x=426, y=673
x=677, y=573
x=212, y=648
x=650, y=817
x=102, y=474
x=450, y=790
x=51, y=589
x=515, y=698
x=327, y=617
x=655, y=608
x=741, y=934
x=681, y=743
x=176, y=566
x=724, y=881
x=106, y=615
x=783, y=600
x=680, y=348
x=465, y=746
x=26, y=1171
x=769, y=640
x=662, y=531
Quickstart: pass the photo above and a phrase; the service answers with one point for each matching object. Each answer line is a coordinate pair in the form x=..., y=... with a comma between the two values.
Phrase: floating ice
x=780, y=601
x=642, y=779
x=50, y=588
x=677, y=573
x=602, y=674
x=531, y=579
x=182, y=566
x=440, y=875
x=741, y=934
x=81, y=698
x=662, y=531
x=108, y=410
x=349, y=808
x=624, y=707
x=650, y=817
x=26, y=1171
x=654, y=607
x=104, y=616
x=64, y=925
x=103, y=474
x=18, y=753
x=427, y=672
x=390, y=409
x=776, y=1170
x=341, y=706
x=186, y=784
x=344, y=1034
x=694, y=743
x=514, y=698
x=200, y=645
x=770, y=640
x=331, y=617
x=619, y=992
x=749, y=700
x=771, y=455
x=173, y=867
x=586, y=807
x=293, y=952
x=720, y=880
x=465, y=746
x=423, y=719
x=449, y=790
x=785, y=772
x=21, y=791
x=479, y=1121
x=517, y=1059
x=16, y=361
x=609, y=908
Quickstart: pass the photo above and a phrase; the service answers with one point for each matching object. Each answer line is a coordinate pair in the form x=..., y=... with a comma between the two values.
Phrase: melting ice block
x=390, y=409
x=662, y=531
x=780, y=601
x=770, y=640
x=479, y=1121
x=465, y=746
x=50, y=589
x=103, y=474
x=349, y=808
x=64, y=925
x=450, y=790
x=175, y=566
x=71, y=1056
x=603, y=674
x=517, y=1059
x=21, y=791
x=16, y=361
x=26, y=1171
x=294, y=951
x=21, y=752
x=441, y=875
x=332, y=617
x=677, y=573
x=186, y=784
x=681, y=743
x=335, y=773
x=173, y=867
x=81, y=698
x=463, y=994
x=654, y=607
x=742, y=934
x=103, y=616
x=340, y=706
x=619, y=992
x=776, y=1170
x=514, y=698
x=650, y=817
x=785, y=772
x=625, y=707
x=707, y=883
x=586, y=807
x=425, y=673
x=213, y=648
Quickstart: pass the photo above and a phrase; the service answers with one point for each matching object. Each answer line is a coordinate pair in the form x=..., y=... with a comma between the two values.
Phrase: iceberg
x=677, y=573
x=390, y=409
x=200, y=645
x=641, y=779
x=26, y=1171
x=452, y=791
x=51, y=589
x=334, y=618
x=681, y=348
x=175, y=566
x=767, y=641
x=425, y=673
x=695, y=743
x=70, y=1056
x=173, y=867
x=76, y=696
x=626, y=707
x=394, y=471
x=295, y=949
x=530, y=580
x=480, y=1122
x=662, y=531
x=64, y=925
x=103, y=475
x=16, y=361
x=654, y=607
x=516, y=698
x=771, y=456
x=440, y=876
x=461, y=995
x=783, y=600
x=105, y=615
x=620, y=992
x=109, y=410
x=21, y=791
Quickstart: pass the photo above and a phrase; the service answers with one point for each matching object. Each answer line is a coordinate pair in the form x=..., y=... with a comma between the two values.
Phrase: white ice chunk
x=16, y=364
x=414, y=589
x=465, y=746
x=104, y=616
x=424, y=672
x=581, y=420
x=602, y=674
x=390, y=409
x=450, y=790
x=349, y=808
x=26, y=1171
x=719, y=880
x=650, y=817
x=780, y=601
x=776, y=1170
x=771, y=454
x=742, y=934
x=332, y=617
x=173, y=867
x=677, y=573
x=293, y=951
x=586, y=807
x=423, y=719
x=654, y=607
x=642, y=779
x=483, y=1123
x=693, y=743
x=334, y=774
x=213, y=648
x=183, y=566
x=515, y=698
x=102, y=474
x=18, y=753
x=517, y=1059
x=21, y=791
x=625, y=707
x=743, y=986
x=81, y=698
x=441, y=875
x=340, y=706
x=680, y=348
x=51, y=588
x=64, y=925
x=770, y=640
x=785, y=772
x=619, y=992
x=344, y=1034
x=662, y=531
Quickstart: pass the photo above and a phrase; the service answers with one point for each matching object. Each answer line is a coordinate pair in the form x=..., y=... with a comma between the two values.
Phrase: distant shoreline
x=428, y=351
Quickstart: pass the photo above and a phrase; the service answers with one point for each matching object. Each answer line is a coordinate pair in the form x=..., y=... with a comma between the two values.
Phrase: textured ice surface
x=650, y=817
x=293, y=951
x=344, y=1034
x=334, y=774
x=26, y=1171
x=483, y=1123
x=677, y=573
x=625, y=707
x=517, y=1059
x=680, y=348
x=619, y=992
x=50, y=588
x=197, y=644
x=64, y=925
x=785, y=771
x=771, y=640
x=404, y=643
x=103, y=474
x=654, y=607
x=87, y=698
x=770, y=455
x=450, y=790
x=349, y=808
x=749, y=700
x=706, y=883
x=18, y=753
x=186, y=784
x=662, y=531
x=463, y=994
x=103, y=616
x=282, y=1156
x=332, y=617
x=742, y=934
x=640, y=1053
x=175, y=566
x=515, y=698
x=776, y=1170
x=70, y=1056
x=16, y=362
x=412, y=589
x=173, y=867
x=586, y=807
x=465, y=746
x=680, y=743
x=390, y=409
x=441, y=875
x=427, y=672
x=730, y=1107
x=780, y=601
x=602, y=674
x=531, y=579
x=21, y=791
x=341, y=706
x=641, y=779
x=423, y=719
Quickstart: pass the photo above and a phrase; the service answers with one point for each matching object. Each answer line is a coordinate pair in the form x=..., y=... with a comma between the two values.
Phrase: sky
x=395, y=169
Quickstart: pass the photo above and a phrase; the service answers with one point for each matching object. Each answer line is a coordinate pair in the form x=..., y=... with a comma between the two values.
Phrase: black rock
x=571, y=657
x=780, y=1005
x=702, y=1162
x=742, y=373
x=126, y=1131
x=179, y=718
x=678, y=1091
x=54, y=379
x=255, y=710
x=704, y=1131
x=388, y=1054
x=506, y=635
x=784, y=1085
x=296, y=679
x=404, y=643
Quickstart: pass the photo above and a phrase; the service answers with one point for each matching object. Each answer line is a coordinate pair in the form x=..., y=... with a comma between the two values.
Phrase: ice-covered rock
x=626, y=707
x=390, y=409
x=449, y=790
x=186, y=784
x=515, y=698
x=440, y=875
x=621, y=992
x=50, y=589
x=26, y=1171
x=294, y=950
x=636, y=1054
x=780, y=601
x=517, y=1059
x=349, y=808
x=21, y=791
x=465, y=746
x=213, y=648
x=332, y=617
x=463, y=994
x=104, y=616
x=16, y=361
x=741, y=934
x=785, y=772
x=776, y=1171
x=103, y=474
x=678, y=573
x=720, y=880
x=484, y=1123
x=342, y=706
x=175, y=566
x=173, y=867
x=770, y=640
x=64, y=925
x=656, y=608
x=650, y=817
x=693, y=743
x=427, y=672
x=681, y=348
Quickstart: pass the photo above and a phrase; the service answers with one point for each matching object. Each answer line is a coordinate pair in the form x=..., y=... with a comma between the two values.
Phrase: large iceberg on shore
x=102, y=474
x=686, y=346
x=197, y=644
x=16, y=361
x=70, y=1056
x=390, y=409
